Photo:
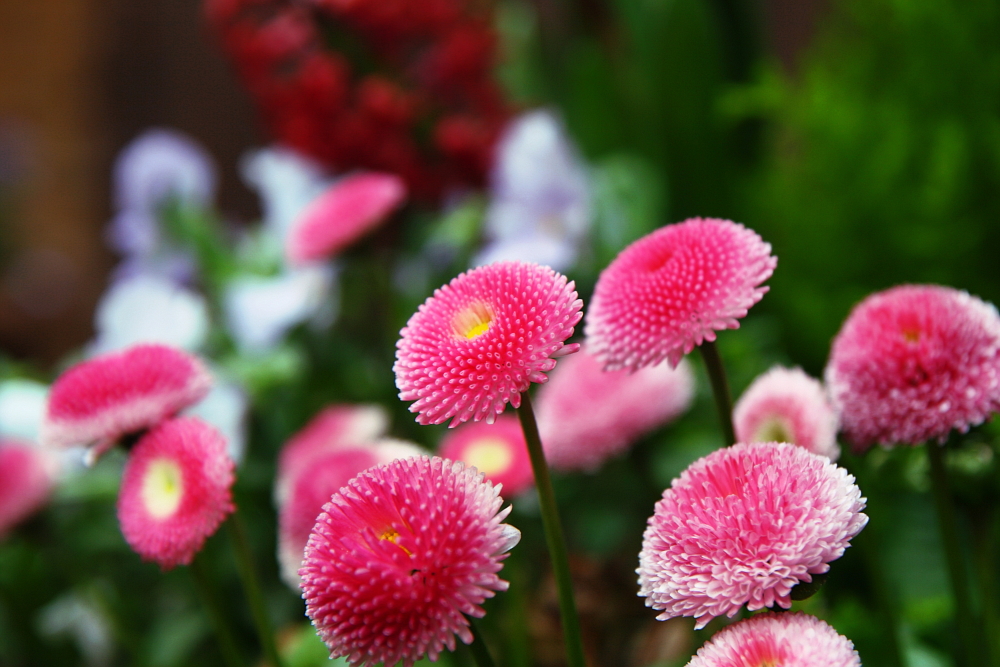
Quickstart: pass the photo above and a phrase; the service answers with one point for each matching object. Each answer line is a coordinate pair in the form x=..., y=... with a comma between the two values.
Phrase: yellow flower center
x=391, y=535
x=489, y=455
x=162, y=488
x=473, y=321
x=773, y=430
x=911, y=335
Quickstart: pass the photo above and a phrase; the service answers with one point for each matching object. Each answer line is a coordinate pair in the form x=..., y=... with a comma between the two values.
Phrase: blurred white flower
x=22, y=406
x=225, y=408
x=80, y=618
x=286, y=182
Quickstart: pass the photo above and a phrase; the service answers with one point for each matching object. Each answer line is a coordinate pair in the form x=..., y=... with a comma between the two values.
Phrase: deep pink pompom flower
x=673, y=289
x=398, y=558
x=497, y=450
x=175, y=491
x=480, y=340
x=744, y=525
x=777, y=640
x=587, y=415
x=786, y=405
x=25, y=482
x=914, y=362
x=349, y=208
x=100, y=400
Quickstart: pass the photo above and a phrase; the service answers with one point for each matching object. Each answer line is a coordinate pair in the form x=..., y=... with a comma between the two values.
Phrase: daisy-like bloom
x=744, y=525
x=914, y=362
x=497, y=450
x=777, y=640
x=102, y=399
x=482, y=339
x=673, y=289
x=587, y=415
x=398, y=558
x=786, y=405
x=349, y=208
x=175, y=491
x=25, y=482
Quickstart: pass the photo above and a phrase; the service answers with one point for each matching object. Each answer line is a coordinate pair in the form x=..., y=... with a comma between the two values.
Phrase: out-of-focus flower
x=673, y=289
x=786, y=405
x=398, y=558
x=497, y=450
x=83, y=619
x=744, y=525
x=98, y=401
x=225, y=408
x=540, y=206
x=587, y=415
x=914, y=362
x=287, y=182
x=175, y=491
x=792, y=640
x=482, y=339
x=22, y=407
x=26, y=476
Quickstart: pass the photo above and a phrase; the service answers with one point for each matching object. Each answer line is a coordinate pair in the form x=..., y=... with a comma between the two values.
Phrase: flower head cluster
x=482, y=339
x=25, y=482
x=587, y=415
x=497, y=450
x=398, y=558
x=673, y=289
x=777, y=640
x=786, y=405
x=744, y=525
x=914, y=362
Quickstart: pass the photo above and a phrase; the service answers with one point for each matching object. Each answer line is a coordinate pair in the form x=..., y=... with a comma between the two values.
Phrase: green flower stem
x=227, y=644
x=251, y=586
x=478, y=647
x=984, y=546
x=553, y=534
x=720, y=389
x=953, y=556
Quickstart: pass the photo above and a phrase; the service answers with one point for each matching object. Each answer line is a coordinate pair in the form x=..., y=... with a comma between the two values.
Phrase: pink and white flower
x=497, y=450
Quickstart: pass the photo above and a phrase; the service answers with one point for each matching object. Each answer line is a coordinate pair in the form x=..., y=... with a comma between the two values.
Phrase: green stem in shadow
x=251, y=586
x=480, y=652
x=227, y=644
x=720, y=389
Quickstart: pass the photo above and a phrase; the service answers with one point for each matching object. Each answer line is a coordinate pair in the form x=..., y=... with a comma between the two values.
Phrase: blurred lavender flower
x=540, y=208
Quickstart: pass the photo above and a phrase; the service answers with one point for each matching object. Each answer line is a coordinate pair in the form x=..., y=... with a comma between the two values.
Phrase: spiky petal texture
x=673, y=289
x=175, y=491
x=587, y=415
x=102, y=399
x=400, y=555
x=914, y=362
x=786, y=405
x=482, y=339
x=777, y=640
x=25, y=482
x=343, y=213
x=744, y=525
x=497, y=450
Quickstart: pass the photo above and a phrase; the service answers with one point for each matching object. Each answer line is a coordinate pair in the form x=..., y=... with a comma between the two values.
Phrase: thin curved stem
x=251, y=586
x=720, y=389
x=227, y=644
x=480, y=652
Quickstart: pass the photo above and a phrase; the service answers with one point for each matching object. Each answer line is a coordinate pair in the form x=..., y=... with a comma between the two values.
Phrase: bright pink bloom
x=912, y=363
x=349, y=208
x=25, y=482
x=100, y=400
x=175, y=491
x=497, y=450
x=673, y=289
x=480, y=340
x=587, y=415
x=777, y=640
x=786, y=405
x=744, y=525
x=400, y=555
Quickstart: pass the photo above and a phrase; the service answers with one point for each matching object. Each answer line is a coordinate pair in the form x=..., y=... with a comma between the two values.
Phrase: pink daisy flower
x=100, y=400
x=497, y=450
x=343, y=213
x=777, y=640
x=744, y=525
x=480, y=340
x=914, y=362
x=786, y=405
x=25, y=482
x=398, y=558
x=673, y=289
x=175, y=491
x=587, y=415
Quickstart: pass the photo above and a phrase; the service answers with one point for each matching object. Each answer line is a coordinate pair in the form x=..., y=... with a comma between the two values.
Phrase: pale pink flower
x=175, y=491
x=343, y=213
x=398, y=558
x=777, y=640
x=914, y=362
x=482, y=339
x=673, y=289
x=742, y=526
x=25, y=482
x=98, y=401
x=497, y=450
x=786, y=405
x=587, y=415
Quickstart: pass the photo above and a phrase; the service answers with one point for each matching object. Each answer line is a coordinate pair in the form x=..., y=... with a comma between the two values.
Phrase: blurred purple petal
x=159, y=164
